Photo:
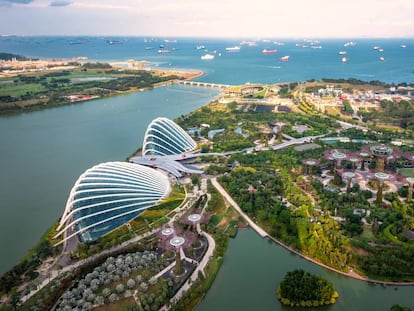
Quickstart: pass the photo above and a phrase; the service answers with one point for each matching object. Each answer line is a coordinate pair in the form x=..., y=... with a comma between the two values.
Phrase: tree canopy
x=302, y=289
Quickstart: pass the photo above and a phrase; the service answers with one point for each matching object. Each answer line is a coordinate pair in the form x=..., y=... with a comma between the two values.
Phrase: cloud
x=8, y=3
x=60, y=3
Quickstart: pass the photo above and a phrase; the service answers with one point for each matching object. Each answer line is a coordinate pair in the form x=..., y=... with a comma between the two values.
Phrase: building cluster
x=14, y=66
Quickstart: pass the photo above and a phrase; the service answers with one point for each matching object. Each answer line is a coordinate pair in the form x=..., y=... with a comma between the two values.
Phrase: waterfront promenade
x=264, y=234
x=251, y=223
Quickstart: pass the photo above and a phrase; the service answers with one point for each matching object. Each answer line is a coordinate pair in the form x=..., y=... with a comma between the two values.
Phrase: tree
x=397, y=307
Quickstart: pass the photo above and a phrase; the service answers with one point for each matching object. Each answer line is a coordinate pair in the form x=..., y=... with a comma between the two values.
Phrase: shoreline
x=185, y=74
x=351, y=274
x=264, y=234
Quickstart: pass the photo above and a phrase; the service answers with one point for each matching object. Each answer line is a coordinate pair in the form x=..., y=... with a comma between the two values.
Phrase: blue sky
x=209, y=18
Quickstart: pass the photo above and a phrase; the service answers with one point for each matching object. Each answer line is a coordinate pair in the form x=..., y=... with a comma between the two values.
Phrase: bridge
x=203, y=84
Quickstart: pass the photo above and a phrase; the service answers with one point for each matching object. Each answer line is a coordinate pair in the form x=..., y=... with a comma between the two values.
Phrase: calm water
x=44, y=152
x=249, y=65
x=248, y=281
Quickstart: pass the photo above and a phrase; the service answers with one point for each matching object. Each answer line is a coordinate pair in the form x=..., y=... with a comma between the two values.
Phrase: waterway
x=44, y=152
x=254, y=267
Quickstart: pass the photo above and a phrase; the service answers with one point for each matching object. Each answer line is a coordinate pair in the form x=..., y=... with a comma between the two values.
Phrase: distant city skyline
x=212, y=18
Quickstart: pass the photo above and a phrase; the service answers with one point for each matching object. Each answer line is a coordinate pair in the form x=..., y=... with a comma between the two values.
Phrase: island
x=323, y=168
x=302, y=289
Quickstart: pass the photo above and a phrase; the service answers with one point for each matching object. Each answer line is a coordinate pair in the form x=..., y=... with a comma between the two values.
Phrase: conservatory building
x=164, y=137
x=109, y=195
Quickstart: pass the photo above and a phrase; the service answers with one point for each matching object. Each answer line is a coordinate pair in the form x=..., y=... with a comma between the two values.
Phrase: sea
x=387, y=60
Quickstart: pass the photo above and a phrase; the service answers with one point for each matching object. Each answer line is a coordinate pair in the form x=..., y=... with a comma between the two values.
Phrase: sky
x=209, y=18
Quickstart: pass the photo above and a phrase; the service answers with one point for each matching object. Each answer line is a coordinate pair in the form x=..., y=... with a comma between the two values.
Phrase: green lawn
x=12, y=89
x=409, y=172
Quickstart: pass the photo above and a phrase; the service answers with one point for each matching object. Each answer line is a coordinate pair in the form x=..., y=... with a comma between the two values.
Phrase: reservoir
x=254, y=267
x=44, y=152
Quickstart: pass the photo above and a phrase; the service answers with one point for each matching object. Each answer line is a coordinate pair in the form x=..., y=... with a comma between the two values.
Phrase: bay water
x=248, y=280
x=44, y=152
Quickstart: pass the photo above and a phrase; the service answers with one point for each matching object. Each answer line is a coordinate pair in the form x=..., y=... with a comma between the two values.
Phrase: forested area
x=399, y=113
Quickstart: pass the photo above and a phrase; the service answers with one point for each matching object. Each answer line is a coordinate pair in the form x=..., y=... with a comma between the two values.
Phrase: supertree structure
x=410, y=181
x=364, y=156
x=194, y=218
x=279, y=131
x=174, y=239
x=355, y=160
x=336, y=157
x=177, y=242
x=382, y=153
x=382, y=177
x=309, y=164
x=348, y=176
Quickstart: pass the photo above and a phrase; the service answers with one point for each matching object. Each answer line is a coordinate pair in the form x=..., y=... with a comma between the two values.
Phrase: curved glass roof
x=164, y=137
x=109, y=195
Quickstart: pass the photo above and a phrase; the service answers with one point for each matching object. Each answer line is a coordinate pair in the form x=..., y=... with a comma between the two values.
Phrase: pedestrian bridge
x=203, y=84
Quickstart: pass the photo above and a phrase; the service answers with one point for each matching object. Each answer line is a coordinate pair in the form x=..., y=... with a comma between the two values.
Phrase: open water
x=248, y=65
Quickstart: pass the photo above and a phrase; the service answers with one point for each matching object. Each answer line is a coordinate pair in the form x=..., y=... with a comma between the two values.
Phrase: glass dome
x=109, y=195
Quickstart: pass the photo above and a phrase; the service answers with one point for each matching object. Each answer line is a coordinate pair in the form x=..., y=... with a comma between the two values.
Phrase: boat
x=170, y=41
x=349, y=43
x=403, y=46
x=342, y=52
x=266, y=51
x=278, y=43
x=78, y=42
x=200, y=47
x=382, y=58
x=162, y=51
x=149, y=47
x=113, y=42
x=284, y=58
x=233, y=49
x=248, y=43
x=345, y=60
x=377, y=48
x=207, y=57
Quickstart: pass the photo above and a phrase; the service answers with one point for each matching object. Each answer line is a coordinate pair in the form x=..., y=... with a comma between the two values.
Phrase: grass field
x=332, y=111
x=12, y=89
x=409, y=172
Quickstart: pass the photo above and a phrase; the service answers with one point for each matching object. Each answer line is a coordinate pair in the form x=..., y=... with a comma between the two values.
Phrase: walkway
x=251, y=223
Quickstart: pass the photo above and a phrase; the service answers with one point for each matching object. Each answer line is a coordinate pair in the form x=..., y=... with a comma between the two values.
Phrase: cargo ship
x=284, y=58
x=266, y=51
x=233, y=49
x=207, y=57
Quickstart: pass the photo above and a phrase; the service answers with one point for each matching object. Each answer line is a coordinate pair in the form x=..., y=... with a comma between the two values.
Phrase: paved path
x=251, y=223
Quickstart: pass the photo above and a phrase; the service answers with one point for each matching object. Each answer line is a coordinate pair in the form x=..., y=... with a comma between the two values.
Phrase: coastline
x=185, y=74
x=263, y=234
